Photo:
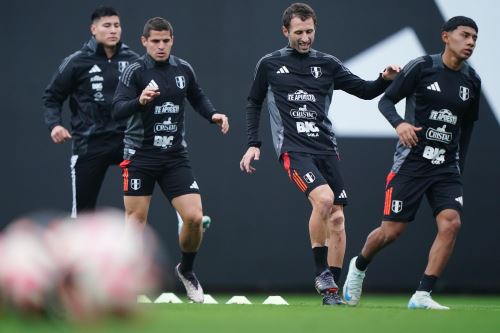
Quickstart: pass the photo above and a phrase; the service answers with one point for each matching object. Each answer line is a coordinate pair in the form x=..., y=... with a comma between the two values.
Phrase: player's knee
x=390, y=235
x=451, y=226
x=337, y=223
x=136, y=216
x=193, y=220
x=324, y=205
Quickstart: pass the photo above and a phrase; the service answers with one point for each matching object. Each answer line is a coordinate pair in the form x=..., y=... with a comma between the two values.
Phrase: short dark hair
x=103, y=11
x=457, y=21
x=300, y=10
x=157, y=24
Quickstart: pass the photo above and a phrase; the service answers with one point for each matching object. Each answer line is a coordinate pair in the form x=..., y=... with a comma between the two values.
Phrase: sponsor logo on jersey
x=122, y=65
x=163, y=142
x=435, y=155
x=97, y=86
x=167, y=107
x=301, y=96
x=98, y=97
x=96, y=78
x=434, y=87
x=443, y=115
x=316, y=71
x=95, y=69
x=165, y=126
x=439, y=134
x=464, y=93
x=302, y=112
x=308, y=127
x=180, y=81
x=282, y=70
x=397, y=206
x=135, y=184
x=309, y=177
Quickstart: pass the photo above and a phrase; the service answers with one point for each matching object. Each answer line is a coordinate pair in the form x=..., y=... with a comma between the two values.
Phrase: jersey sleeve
x=60, y=87
x=403, y=86
x=354, y=85
x=196, y=96
x=255, y=99
x=127, y=93
x=467, y=127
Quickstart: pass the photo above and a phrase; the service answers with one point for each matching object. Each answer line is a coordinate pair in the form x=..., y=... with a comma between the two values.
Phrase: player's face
x=159, y=44
x=107, y=30
x=461, y=41
x=300, y=34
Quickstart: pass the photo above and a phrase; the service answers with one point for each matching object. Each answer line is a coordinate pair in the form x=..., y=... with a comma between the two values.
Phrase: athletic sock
x=187, y=262
x=336, y=272
x=362, y=262
x=427, y=283
x=320, y=254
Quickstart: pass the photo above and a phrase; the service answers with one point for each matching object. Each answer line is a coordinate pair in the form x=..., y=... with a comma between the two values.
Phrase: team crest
x=180, y=81
x=464, y=93
x=316, y=71
x=309, y=177
x=135, y=184
x=122, y=65
x=397, y=206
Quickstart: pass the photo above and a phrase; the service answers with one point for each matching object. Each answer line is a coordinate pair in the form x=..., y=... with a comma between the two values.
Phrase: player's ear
x=285, y=31
x=93, y=29
x=143, y=41
x=444, y=36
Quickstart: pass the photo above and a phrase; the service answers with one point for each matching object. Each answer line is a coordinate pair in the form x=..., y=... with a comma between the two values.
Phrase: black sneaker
x=324, y=283
x=332, y=299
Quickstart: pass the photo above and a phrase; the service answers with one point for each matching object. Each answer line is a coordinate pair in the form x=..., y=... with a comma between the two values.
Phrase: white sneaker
x=423, y=300
x=193, y=287
x=353, y=284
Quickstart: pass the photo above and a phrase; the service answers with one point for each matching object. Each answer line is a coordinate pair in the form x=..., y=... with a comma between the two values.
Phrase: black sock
x=320, y=258
x=362, y=262
x=187, y=262
x=427, y=283
x=336, y=272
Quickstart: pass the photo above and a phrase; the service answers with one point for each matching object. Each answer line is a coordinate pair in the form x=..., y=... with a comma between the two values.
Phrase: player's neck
x=109, y=50
x=452, y=61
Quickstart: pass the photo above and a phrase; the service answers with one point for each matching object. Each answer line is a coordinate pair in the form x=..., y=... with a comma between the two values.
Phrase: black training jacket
x=89, y=79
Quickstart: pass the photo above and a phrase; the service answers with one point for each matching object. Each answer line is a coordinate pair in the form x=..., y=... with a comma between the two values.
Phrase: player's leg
x=303, y=172
x=445, y=197
x=402, y=198
x=180, y=187
x=189, y=208
x=87, y=174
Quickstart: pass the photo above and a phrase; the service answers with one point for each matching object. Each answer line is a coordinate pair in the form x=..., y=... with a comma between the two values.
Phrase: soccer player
x=89, y=78
x=298, y=82
x=442, y=101
x=151, y=96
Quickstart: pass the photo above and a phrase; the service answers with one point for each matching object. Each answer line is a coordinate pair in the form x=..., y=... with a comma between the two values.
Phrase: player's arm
x=403, y=86
x=129, y=97
x=54, y=96
x=466, y=130
x=354, y=85
x=253, y=110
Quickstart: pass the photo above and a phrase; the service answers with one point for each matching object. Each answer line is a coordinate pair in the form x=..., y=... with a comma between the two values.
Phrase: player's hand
x=253, y=153
x=59, y=134
x=148, y=95
x=390, y=72
x=221, y=120
x=408, y=134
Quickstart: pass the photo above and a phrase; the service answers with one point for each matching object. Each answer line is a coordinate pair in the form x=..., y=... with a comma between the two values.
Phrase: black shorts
x=309, y=171
x=403, y=195
x=172, y=172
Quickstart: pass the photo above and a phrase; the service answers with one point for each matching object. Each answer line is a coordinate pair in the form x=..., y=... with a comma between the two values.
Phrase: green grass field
x=377, y=313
